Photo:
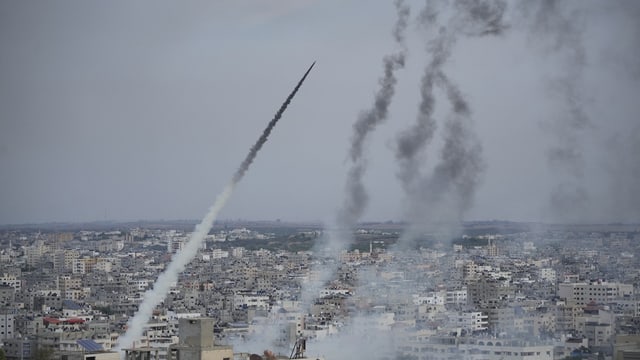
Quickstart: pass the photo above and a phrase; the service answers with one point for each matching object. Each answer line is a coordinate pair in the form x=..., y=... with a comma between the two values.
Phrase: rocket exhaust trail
x=448, y=192
x=265, y=134
x=161, y=287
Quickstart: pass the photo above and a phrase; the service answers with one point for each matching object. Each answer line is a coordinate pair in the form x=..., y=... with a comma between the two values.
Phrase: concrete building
x=7, y=324
x=11, y=280
x=547, y=274
x=470, y=321
x=197, y=342
x=19, y=349
x=600, y=292
x=447, y=347
x=626, y=347
x=84, y=265
x=486, y=291
x=7, y=295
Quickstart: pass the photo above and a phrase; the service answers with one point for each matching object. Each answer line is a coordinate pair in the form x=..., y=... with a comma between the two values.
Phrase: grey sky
x=143, y=110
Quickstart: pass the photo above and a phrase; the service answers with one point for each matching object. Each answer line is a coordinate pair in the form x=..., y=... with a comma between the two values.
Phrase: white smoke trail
x=154, y=297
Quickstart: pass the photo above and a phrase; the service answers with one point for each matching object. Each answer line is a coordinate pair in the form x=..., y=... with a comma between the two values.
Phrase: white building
x=333, y=292
x=11, y=280
x=469, y=321
x=219, y=254
x=471, y=348
x=431, y=298
x=7, y=325
x=600, y=292
x=251, y=301
x=104, y=265
x=547, y=274
x=140, y=285
x=456, y=297
x=237, y=252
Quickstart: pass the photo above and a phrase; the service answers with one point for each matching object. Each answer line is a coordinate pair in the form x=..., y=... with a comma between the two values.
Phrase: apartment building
x=600, y=292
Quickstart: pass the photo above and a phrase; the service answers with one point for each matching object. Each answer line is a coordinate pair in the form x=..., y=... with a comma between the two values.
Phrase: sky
x=144, y=110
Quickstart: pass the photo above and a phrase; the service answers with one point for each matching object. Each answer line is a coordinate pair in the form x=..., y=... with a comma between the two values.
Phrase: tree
x=43, y=354
x=406, y=357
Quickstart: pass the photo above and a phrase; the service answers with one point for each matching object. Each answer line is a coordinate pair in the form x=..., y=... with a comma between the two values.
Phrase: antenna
x=298, y=349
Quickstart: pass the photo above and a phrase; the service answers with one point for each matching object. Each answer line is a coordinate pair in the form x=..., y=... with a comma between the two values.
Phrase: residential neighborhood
x=545, y=293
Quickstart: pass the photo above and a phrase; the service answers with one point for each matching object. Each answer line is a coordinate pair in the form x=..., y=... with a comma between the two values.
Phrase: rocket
x=265, y=134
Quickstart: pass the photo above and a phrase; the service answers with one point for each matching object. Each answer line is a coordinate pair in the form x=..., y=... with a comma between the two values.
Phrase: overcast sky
x=119, y=110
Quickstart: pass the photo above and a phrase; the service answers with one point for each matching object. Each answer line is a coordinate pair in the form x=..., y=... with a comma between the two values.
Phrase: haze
x=143, y=110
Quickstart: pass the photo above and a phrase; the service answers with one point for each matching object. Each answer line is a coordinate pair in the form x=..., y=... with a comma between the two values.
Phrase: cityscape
x=500, y=291
x=442, y=180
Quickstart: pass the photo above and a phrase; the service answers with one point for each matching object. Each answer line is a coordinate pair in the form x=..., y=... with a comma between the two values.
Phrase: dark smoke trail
x=402, y=21
x=473, y=18
x=481, y=17
x=449, y=191
x=368, y=120
x=355, y=203
x=461, y=161
x=265, y=134
x=439, y=200
x=161, y=287
x=411, y=142
x=356, y=196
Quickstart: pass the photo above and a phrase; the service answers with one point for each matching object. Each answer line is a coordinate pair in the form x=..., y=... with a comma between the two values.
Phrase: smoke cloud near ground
x=161, y=287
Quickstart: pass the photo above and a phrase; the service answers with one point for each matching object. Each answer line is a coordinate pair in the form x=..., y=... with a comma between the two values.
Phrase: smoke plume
x=412, y=141
x=356, y=197
x=461, y=156
x=161, y=287
x=448, y=191
x=558, y=31
x=338, y=237
x=624, y=173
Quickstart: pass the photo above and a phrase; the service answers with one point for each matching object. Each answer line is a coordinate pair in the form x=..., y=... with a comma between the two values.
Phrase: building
x=11, y=280
x=7, y=324
x=470, y=321
x=84, y=265
x=626, y=347
x=7, y=295
x=487, y=291
x=197, y=342
x=600, y=292
x=450, y=347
